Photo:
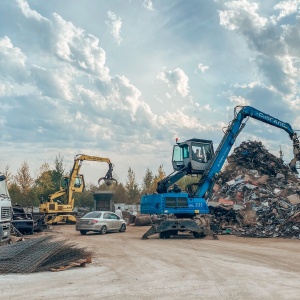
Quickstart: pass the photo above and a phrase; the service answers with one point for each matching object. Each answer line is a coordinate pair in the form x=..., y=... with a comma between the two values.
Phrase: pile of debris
x=256, y=196
x=41, y=254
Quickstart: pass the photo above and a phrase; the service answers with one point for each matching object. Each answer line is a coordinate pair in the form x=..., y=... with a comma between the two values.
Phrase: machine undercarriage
x=168, y=226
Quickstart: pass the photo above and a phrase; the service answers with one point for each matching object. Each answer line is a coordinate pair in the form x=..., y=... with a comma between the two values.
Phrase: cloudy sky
x=123, y=78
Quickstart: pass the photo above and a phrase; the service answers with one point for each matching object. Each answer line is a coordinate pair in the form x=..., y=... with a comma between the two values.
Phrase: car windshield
x=93, y=214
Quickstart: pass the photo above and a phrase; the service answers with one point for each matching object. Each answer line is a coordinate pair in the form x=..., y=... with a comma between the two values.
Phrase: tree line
x=26, y=190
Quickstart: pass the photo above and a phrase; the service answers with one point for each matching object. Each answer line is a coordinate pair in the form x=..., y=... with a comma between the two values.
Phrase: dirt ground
x=126, y=267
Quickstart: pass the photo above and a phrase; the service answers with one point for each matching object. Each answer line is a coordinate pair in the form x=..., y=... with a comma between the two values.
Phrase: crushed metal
x=256, y=195
x=41, y=254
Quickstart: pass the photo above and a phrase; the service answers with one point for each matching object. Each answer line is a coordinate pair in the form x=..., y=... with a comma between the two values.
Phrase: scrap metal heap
x=41, y=254
x=256, y=195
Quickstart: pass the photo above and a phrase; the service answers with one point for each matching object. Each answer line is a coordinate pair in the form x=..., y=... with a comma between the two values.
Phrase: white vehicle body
x=100, y=221
x=5, y=210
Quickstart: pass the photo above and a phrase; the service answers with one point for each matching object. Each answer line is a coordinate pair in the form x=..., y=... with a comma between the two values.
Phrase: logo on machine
x=271, y=120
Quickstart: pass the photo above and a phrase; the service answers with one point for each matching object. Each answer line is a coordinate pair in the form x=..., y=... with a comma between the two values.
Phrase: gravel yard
x=126, y=267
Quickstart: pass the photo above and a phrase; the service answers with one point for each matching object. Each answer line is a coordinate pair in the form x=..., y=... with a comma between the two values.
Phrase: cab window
x=186, y=152
x=77, y=182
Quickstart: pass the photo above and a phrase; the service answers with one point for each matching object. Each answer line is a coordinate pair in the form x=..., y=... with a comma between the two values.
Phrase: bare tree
x=8, y=175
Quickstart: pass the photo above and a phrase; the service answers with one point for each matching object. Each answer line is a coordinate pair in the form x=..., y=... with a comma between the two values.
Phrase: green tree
x=147, y=183
x=58, y=172
x=131, y=188
x=84, y=199
x=23, y=178
x=43, y=184
x=120, y=195
x=161, y=175
x=15, y=193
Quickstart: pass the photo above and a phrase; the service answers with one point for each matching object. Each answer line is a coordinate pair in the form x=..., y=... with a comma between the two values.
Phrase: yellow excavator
x=53, y=209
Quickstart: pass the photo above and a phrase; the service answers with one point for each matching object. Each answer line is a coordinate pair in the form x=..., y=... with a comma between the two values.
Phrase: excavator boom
x=56, y=211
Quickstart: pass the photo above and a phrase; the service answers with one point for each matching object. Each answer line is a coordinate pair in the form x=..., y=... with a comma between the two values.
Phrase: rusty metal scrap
x=39, y=254
x=256, y=195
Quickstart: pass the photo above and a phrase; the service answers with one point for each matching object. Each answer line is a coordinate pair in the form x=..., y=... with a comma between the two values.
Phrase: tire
x=83, y=232
x=198, y=235
x=103, y=229
x=123, y=228
x=165, y=235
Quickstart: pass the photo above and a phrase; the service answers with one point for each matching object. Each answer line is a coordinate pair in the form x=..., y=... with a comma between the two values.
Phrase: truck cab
x=5, y=210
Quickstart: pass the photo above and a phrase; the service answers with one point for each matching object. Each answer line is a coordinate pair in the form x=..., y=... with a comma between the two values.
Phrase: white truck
x=5, y=210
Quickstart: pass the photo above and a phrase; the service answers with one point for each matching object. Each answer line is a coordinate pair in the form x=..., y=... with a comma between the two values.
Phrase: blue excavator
x=188, y=211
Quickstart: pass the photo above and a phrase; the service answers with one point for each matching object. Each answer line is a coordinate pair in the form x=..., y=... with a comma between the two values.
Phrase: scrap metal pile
x=41, y=254
x=256, y=195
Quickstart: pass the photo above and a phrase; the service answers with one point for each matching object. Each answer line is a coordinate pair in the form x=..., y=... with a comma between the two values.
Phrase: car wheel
x=83, y=232
x=103, y=229
x=123, y=228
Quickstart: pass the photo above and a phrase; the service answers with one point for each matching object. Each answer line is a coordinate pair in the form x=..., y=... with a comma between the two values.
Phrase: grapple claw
x=108, y=179
x=292, y=165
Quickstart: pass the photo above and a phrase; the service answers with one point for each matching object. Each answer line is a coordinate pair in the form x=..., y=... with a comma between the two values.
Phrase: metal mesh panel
x=38, y=254
x=10, y=251
x=63, y=258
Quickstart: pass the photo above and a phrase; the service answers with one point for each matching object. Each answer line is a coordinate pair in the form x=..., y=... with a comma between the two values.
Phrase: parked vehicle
x=5, y=210
x=100, y=221
x=21, y=220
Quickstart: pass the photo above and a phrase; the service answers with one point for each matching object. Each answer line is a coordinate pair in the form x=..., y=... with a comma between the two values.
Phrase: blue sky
x=122, y=79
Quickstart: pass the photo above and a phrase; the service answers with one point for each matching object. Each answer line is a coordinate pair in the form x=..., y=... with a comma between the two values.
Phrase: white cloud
x=276, y=47
x=148, y=4
x=5, y=89
x=12, y=61
x=242, y=15
x=56, y=83
x=74, y=45
x=28, y=12
x=115, y=25
x=202, y=67
x=239, y=101
x=179, y=121
x=287, y=8
x=207, y=107
x=177, y=79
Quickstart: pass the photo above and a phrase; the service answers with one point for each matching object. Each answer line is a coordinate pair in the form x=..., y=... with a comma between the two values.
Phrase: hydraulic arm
x=196, y=156
x=54, y=210
x=233, y=130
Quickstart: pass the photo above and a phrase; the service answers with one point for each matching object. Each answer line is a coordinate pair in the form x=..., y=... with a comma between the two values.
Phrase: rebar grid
x=38, y=254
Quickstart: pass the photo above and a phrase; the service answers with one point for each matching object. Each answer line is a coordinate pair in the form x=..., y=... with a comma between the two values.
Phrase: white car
x=100, y=221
